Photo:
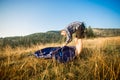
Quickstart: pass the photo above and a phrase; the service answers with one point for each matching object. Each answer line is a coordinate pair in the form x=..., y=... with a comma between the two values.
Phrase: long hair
x=83, y=28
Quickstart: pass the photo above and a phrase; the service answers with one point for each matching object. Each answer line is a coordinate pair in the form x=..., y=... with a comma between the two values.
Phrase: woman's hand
x=63, y=45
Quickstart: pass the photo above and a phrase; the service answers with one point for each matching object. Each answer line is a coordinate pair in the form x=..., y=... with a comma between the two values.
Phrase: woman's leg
x=78, y=43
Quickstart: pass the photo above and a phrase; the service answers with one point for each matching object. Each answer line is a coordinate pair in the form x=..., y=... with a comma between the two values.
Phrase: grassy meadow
x=99, y=60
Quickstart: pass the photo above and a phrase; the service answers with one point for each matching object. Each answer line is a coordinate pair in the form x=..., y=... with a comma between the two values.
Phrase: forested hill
x=32, y=39
x=51, y=37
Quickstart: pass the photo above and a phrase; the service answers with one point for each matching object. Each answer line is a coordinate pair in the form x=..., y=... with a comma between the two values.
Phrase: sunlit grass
x=99, y=60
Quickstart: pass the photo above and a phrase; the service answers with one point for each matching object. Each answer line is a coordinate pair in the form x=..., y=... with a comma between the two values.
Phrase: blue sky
x=23, y=17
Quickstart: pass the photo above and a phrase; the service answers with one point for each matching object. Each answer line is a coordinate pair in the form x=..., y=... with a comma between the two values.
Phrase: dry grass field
x=99, y=60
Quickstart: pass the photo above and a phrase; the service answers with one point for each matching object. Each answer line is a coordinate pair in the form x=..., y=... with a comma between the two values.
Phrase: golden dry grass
x=99, y=60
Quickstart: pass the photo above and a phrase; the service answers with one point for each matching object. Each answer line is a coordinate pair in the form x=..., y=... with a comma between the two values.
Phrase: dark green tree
x=89, y=32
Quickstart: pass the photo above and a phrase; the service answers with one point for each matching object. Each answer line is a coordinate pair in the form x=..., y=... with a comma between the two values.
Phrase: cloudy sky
x=23, y=17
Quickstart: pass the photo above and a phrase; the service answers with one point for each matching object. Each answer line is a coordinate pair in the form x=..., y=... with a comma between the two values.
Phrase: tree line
x=51, y=37
x=30, y=40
